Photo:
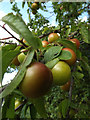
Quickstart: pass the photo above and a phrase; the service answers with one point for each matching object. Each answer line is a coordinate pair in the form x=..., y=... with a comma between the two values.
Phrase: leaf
x=0, y=109
x=18, y=78
x=68, y=31
x=68, y=44
x=64, y=105
x=8, y=53
x=33, y=111
x=16, y=23
x=45, y=29
x=79, y=75
x=28, y=112
x=40, y=106
x=52, y=53
x=65, y=55
x=57, y=28
x=84, y=33
x=8, y=107
x=52, y=63
x=85, y=66
x=23, y=111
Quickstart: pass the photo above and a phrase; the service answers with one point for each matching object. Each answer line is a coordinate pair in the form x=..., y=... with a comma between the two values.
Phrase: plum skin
x=37, y=80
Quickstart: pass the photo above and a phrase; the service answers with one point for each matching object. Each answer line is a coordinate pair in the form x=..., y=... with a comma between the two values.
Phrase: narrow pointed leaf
x=8, y=107
x=84, y=32
x=16, y=23
x=8, y=53
x=68, y=44
x=18, y=78
x=40, y=106
x=65, y=106
x=33, y=111
x=51, y=63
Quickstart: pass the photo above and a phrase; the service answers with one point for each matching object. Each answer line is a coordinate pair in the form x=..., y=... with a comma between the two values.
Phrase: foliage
x=56, y=103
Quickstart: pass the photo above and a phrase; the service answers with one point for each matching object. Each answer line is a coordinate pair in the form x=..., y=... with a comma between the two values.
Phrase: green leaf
x=8, y=107
x=84, y=32
x=68, y=31
x=16, y=23
x=40, y=106
x=23, y=111
x=28, y=112
x=68, y=44
x=45, y=29
x=85, y=66
x=64, y=105
x=8, y=53
x=65, y=55
x=33, y=111
x=52, y=63
x=18, y=78
x=79, y=75
x=57, y=28
x=52, y=52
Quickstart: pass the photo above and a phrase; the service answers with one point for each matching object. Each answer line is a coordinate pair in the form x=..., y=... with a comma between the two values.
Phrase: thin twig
x=71, y=84
x=6, y=38
x=13, y=36
x=8, y=43
x=70, y=90
x=59, y=31
x=73, y=34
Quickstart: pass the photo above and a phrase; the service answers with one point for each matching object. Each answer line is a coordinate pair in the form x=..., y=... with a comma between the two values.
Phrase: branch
x=59, y=31
x=50, y=16
x=8, y=43
x=73, y=34
x=13, y=36
x=6, y=38
x=44, y=35
x=70, y=90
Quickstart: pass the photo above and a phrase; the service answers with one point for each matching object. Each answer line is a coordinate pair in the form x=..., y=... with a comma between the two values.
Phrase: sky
x=5, y=8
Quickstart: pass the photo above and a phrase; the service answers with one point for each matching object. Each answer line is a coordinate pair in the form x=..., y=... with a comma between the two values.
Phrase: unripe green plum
x=61, y=73
x=17, y=103
x=21, y=57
